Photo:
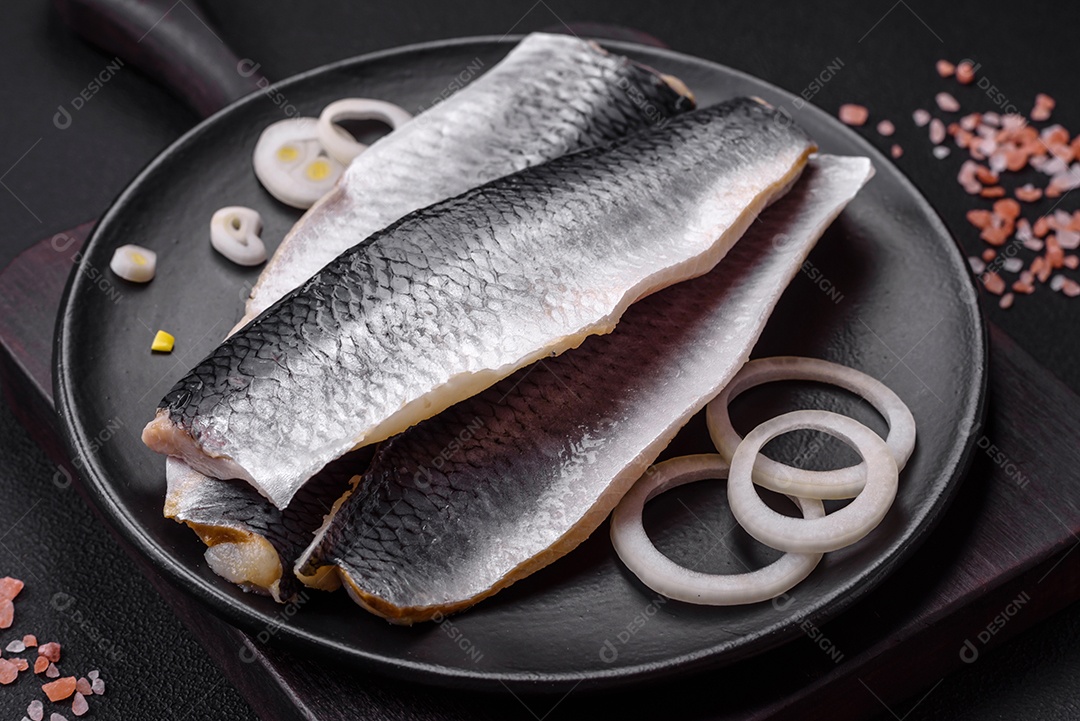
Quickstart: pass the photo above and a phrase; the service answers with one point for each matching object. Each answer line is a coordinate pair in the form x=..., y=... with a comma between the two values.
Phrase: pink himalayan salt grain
x=886, y=128
x=947, y=102
x=99, y=686
x=50, y=650
x=1012, y=265
x=79, y=707
x=851, y=114
x=36, y=710
x=941, y=152
x=8, y=672
x=1070, y=288
x=994, y=283
x=1072, y=262
x=1056, y=282
x=83, y=687
x=7, y=613
x=937, y=132
x=10, y=587
x=977, y=264
x=1006, y=300
x=896, y=151
x=965, y=73
x=52, y=671
x=945, y=69
x=921, y=117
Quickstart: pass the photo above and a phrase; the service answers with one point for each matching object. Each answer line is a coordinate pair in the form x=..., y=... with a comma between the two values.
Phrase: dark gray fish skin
x=551, y=95
x=232, y=512
x=502, y=484
x=454, y=297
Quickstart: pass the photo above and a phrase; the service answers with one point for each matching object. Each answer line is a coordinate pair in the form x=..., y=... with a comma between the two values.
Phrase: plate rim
x=99, y=490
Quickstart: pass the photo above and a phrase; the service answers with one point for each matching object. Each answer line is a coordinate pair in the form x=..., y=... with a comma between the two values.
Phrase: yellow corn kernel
x=163, y=342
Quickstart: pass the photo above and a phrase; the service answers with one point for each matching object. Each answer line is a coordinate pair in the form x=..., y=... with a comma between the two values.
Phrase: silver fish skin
x=457, y=296
x=506, y=482
x=551, y=95
x=249, y=541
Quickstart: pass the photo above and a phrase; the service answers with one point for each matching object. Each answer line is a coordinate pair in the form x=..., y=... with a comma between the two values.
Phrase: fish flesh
x=454, y=297
x=551, y=95
x=249, y=541
x=506, y=482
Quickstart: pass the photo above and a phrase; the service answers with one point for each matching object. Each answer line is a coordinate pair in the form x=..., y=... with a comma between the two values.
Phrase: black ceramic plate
x=886, y=291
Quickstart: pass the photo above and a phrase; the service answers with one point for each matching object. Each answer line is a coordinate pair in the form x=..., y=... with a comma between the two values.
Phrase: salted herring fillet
x=455, y=297
x=506, y=482
x=551, y=95
x=249, y=541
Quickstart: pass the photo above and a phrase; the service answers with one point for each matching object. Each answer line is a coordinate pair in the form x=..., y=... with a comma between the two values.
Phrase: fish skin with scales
x=426, y=531
x=452, y=298
x=551, y=94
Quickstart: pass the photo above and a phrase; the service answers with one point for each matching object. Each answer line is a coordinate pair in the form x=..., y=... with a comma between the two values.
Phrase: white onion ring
x=836, y=530
x=291, y=164
x=338, y=142
x=234, y=232
x=666, y=577
x=782, y=478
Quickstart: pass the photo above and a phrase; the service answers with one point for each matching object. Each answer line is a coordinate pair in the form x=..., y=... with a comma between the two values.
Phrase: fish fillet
x=504, y=483
x=551, y=95
x=453, y=298
x=249, y=541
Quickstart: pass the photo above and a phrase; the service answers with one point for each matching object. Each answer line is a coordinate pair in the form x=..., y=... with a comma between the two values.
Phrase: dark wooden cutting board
x=1000, y=561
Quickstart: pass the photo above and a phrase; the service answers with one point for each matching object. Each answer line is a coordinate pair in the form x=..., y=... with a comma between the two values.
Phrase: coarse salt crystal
x=852, y=114
x=1012, y=265
x=886, y=128
x=937, y=132
x=1056, y=282
x=921, y=117
x=947, y=102
x=1068, y=239
x=940, y=151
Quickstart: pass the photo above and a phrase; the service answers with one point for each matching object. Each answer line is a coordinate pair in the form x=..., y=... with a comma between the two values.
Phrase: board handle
x=172, y=42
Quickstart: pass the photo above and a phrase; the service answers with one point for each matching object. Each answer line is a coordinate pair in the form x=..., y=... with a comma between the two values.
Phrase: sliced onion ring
x=782, y=478
x=291, y=164
x=338, y=143
x=836, y=530
x=666, y=577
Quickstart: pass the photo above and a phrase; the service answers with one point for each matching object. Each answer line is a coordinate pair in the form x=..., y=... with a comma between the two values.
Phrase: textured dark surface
x=484, y=282
x=85, y=593
x=70, y=176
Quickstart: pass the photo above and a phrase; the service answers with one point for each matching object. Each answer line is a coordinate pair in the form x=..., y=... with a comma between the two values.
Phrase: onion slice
x=338, y=142
x=666, y=577
x=836, y=530
x=782, y=478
